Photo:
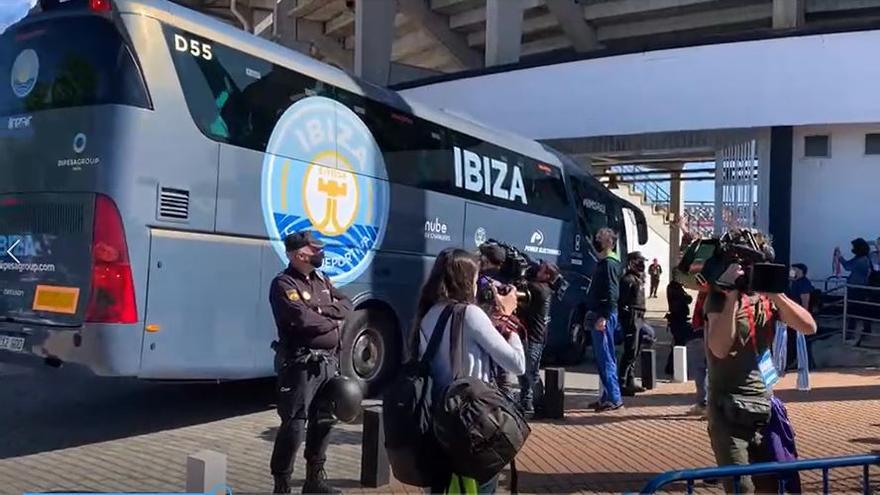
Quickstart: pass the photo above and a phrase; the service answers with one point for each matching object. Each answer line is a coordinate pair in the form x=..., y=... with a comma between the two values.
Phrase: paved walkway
x=64, y=430
x=586, y=452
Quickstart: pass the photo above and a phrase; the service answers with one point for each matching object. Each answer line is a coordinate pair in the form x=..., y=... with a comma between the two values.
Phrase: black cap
x=301, y=239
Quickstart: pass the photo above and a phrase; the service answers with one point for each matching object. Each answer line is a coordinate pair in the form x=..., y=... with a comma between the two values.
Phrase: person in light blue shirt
x=859, y=268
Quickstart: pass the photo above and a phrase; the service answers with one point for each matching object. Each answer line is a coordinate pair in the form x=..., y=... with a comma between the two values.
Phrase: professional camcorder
x=705, y=261
x=516, y=271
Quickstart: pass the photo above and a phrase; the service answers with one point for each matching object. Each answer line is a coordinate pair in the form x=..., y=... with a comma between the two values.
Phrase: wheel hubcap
x=368, y=353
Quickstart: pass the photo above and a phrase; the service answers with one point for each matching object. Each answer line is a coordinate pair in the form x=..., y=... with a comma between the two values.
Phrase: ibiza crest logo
x=24, y=72
x=323, y=171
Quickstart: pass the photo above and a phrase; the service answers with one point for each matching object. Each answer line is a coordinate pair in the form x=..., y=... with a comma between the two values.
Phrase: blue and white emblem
x=323, y=171
x=24, y=72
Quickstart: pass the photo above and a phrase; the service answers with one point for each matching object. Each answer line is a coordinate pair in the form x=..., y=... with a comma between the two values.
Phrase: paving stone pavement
x=65, y=431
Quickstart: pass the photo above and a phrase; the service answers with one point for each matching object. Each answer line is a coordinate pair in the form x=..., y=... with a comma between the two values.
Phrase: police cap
x=302, y=239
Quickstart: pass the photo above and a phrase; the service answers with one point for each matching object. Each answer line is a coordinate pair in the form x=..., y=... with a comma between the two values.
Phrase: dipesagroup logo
x=323, y=171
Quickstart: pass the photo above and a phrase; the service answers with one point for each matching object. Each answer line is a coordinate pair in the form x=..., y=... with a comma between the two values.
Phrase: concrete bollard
x=679, y=364
x=375, y=470
x=648, y=368
x=554, y=393
x=205, y=471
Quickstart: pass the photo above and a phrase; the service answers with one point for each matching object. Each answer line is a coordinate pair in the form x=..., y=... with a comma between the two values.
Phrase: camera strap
x=746, y=302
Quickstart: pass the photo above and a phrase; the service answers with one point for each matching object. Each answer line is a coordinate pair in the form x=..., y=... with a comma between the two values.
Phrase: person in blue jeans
x=536, y=318
x=602, y=318
x=696, y=353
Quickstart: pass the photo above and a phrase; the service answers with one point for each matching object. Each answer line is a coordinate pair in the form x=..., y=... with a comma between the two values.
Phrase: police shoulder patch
x=293, y=295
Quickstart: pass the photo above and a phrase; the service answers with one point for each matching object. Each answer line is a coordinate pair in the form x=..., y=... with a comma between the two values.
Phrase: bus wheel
x=579, y=338
x=370, y=349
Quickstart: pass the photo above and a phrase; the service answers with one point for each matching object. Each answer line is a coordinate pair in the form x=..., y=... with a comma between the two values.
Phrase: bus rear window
x=67, y=62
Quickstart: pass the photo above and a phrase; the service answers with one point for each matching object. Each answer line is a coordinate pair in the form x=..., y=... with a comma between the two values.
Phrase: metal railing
x=864, y=298
x=689, y=476
x=653, y=191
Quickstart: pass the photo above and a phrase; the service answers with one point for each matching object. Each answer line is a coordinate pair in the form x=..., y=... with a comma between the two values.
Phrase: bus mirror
x=642, y=226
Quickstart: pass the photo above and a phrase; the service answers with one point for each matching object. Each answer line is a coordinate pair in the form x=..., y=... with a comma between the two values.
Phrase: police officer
x=309, y=313
x=631, y=302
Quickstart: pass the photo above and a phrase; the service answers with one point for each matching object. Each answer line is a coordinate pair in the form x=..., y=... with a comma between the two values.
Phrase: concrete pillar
x=504, y=21
x=788, y=14
x=779, y=224
x=675, y=201
x=374, y=34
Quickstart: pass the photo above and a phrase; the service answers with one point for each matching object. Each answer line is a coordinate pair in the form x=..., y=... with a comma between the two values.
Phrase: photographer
x=535, y=315
x=491, y=283
x=632, y=314
x=740, y=327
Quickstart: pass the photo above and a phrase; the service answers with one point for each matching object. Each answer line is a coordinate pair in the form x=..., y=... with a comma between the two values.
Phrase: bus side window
x=234, y=97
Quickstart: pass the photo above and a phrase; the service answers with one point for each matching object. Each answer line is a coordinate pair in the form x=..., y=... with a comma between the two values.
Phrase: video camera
x=705, y=261
x=516, y=271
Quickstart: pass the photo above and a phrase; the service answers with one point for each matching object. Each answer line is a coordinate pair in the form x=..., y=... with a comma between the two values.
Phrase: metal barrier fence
x=860, y=304
x=689, y=476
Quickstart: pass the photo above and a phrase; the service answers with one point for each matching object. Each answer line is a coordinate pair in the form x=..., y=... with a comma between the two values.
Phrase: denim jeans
x=606, y=357
x=696, y=354
x=528, y=380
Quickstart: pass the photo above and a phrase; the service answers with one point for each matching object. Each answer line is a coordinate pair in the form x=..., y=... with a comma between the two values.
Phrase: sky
x=699, y=190
x=11, y=11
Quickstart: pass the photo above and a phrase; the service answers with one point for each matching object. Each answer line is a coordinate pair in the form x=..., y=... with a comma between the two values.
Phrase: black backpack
x=480, y=428
x=413, y=452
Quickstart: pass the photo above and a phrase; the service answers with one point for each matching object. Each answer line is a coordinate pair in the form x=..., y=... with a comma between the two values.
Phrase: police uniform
x=632, y=306
x=309, y=313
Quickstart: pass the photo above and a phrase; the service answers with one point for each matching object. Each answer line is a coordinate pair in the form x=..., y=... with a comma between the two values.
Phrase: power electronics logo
x=536, y=245
x=323, y=171
x=24, y=72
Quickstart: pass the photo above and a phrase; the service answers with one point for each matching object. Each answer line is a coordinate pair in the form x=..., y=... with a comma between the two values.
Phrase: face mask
x=317, y=260
x=792, y=274
x=640, y=267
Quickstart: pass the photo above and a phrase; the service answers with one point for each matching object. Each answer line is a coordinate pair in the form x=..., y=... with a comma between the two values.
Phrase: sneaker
x=608, y=406
x=697, y=410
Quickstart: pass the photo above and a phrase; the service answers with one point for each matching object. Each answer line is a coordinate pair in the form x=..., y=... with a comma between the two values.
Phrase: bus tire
x=370, y=349
x=579, y=339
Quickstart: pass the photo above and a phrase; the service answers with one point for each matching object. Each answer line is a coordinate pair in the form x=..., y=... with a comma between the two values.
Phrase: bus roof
x=204, y=25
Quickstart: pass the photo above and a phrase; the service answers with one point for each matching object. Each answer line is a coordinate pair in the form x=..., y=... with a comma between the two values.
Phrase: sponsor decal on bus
x=536, y=245
x=437, y=230
x=346, y=205
x=24, y=72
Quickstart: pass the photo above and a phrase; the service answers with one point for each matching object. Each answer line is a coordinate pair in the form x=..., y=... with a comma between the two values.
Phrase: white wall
x=834, y=199
x=789, y=81
x=657, y=245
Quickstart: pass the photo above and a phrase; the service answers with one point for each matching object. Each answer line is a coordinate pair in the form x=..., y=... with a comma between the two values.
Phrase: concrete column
x=788, y=14
x=781, y=156
x=374, y=34
x=675, y=201
x=719, y=191
x=504, y=21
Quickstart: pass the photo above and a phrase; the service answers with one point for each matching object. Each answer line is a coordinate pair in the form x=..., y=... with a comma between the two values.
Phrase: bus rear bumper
x=106, y=350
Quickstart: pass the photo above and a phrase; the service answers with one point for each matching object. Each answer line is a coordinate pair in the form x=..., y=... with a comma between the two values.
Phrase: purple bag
x=779, y=442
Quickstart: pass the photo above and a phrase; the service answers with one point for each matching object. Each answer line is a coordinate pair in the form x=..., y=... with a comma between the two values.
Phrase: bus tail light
x=112, y=296
x=99, y=5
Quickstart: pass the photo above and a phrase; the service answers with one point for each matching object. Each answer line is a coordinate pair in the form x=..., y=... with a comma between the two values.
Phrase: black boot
x=282, y=484
x=316, y=479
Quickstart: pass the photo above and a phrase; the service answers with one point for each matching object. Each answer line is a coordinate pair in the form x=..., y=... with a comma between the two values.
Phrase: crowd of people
x=499, y=330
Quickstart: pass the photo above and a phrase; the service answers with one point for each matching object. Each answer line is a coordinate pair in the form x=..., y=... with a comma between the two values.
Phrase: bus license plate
x=8, y=343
